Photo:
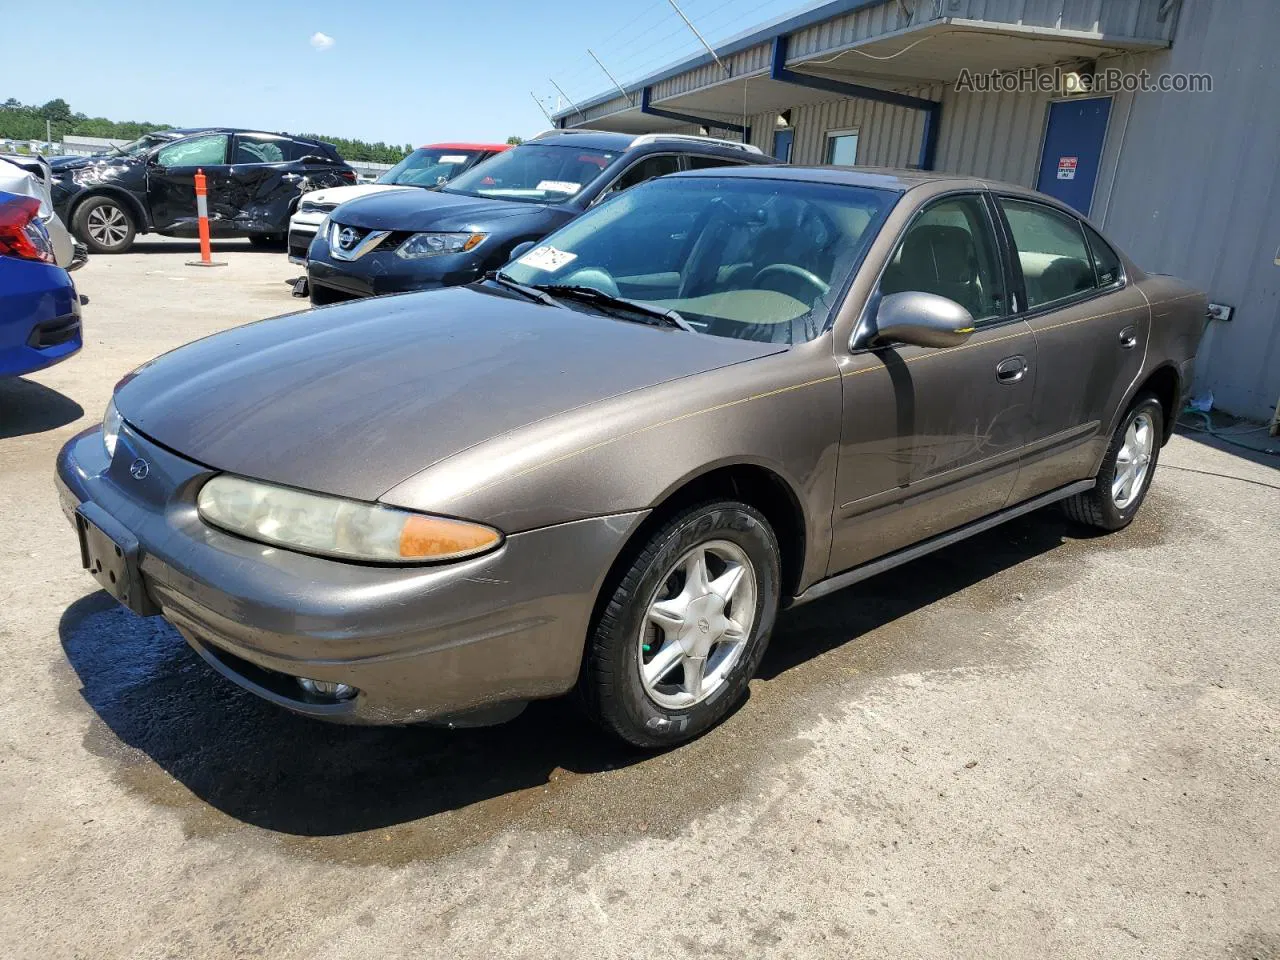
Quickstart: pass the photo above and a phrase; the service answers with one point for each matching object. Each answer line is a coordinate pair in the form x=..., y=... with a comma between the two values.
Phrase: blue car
x=39, y=306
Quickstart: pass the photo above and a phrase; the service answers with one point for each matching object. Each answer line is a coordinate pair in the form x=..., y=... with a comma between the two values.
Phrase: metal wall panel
x=748, y=62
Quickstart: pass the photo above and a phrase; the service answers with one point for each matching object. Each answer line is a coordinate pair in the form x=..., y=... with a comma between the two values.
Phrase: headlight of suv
x=338, y=528
x=422, y=245
x=111, y=421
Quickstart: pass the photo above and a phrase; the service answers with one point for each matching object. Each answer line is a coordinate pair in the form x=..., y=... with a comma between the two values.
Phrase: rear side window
x=1106, y=262
x=257, y=149
x=1056, y=263
x=647, y=169
x=705, y=163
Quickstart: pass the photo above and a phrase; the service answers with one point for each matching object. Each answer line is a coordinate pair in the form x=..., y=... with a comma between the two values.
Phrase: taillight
x=348, y=175
x=22, y=234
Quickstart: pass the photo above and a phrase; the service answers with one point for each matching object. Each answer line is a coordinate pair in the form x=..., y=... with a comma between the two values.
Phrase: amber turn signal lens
x=423, y=538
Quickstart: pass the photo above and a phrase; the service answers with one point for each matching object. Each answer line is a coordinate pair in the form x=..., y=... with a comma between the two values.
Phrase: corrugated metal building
x=1187, y=182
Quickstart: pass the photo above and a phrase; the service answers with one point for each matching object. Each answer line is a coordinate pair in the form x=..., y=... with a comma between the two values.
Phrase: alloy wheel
x=697, y=624
x=108, y=225
x=1133, y=461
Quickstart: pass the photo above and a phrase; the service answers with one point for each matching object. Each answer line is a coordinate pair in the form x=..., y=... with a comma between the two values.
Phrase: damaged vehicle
x=32, y=177
x=607, y=466
x=254, y=182
x=426, y=168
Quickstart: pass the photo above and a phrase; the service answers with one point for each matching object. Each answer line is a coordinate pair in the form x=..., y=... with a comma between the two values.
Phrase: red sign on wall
x=1067, y=167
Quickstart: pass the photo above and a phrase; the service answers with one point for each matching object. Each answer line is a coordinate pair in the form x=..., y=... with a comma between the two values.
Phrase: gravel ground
x=1037, y=743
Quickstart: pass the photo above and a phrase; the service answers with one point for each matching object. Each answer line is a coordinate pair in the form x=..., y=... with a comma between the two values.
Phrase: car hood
x=351, y=400
x=58, y=164
x=429, y=209
x=337, y=195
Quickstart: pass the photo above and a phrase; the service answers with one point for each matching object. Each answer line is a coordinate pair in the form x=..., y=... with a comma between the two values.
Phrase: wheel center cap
x=704, y=625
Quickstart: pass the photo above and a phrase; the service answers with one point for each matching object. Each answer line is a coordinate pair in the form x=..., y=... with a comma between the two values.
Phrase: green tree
x=515, y=141
x=56, y=111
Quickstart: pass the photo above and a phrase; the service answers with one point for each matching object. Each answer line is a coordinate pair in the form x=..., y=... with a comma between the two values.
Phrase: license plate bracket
x=110, y=553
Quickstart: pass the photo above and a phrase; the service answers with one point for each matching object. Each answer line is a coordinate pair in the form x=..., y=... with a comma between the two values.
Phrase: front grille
x=310, y=206
x=53, y=333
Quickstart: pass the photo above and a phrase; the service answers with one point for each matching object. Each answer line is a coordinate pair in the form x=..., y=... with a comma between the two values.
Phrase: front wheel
x=105, y=225
x=683, y=630
x=1125, y=475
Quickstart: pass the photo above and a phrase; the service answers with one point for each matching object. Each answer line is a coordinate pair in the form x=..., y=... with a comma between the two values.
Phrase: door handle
x=1011, y=369
x=1128, y=338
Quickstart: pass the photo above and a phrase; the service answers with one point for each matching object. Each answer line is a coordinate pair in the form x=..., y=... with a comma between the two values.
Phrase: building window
x=842, y=147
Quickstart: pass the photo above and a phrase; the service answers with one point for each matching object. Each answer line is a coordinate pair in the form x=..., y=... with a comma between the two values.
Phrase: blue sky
x=396, y=71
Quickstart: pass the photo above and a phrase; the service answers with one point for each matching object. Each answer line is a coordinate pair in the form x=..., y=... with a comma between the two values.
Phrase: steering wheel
x=592, y=277
x=791, y=271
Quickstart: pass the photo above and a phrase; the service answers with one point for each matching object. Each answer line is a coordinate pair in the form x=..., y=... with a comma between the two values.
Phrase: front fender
x=632, y=452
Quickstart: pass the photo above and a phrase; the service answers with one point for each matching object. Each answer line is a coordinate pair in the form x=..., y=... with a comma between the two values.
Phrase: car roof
x=884, y=178
x=191, y=131
x=591, y=139
x=494, y=147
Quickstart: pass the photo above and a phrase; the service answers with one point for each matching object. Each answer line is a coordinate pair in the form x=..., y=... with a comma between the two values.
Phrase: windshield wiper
x=533, y=293
x=592, y=295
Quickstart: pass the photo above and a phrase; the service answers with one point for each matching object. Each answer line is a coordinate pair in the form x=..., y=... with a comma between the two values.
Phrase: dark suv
x=419, y=240
x=254, y=181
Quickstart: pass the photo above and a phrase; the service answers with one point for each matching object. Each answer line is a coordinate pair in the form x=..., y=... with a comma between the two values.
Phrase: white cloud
x=322, y=41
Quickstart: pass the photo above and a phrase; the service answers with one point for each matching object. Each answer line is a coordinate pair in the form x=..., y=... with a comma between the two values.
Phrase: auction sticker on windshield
x=454, y=158
x=559, y=186
x=547, y=258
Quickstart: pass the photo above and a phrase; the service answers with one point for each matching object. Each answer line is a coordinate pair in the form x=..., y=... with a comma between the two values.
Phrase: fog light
x=327, y=689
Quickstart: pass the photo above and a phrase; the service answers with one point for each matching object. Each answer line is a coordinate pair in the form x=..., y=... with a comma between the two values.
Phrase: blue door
x=782, y=144
x=1073, y=150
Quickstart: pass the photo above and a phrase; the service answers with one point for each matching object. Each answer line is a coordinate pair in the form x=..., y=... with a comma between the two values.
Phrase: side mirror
x=520, y=249
x=921, y=319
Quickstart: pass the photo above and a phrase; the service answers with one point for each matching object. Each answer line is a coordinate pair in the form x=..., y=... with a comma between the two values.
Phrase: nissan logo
x=347, y=238
x=139, y=469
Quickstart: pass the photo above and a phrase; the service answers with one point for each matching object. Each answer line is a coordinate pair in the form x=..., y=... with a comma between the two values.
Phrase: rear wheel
x=105, y=225
x=685, y=626
x=1125, y=475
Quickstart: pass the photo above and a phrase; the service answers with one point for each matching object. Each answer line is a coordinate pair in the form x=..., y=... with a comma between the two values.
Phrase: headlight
x=422, y=245
x=111, y=422
x=333, y=527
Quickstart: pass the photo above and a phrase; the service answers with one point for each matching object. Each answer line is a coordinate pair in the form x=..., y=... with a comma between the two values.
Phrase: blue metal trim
x=933, y=108
x=645, y=107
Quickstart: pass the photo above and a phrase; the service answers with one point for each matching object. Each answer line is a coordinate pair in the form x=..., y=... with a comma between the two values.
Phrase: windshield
x=754, y=259
x=427, y=166
x=140, y=146
x=534, y=173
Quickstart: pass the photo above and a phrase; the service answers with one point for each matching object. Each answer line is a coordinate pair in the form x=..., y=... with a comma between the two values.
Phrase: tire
x=625, y=640
x=1112, y=504
x=105, y=225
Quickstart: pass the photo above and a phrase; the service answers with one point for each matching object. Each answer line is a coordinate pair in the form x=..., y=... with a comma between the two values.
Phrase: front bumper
x=381, y=271
x=302, y=230
x=418, y=643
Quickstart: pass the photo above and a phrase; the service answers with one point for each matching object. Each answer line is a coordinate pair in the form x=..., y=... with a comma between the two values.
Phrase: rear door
x=171, y=173
x=1091, y=328
x=931, y=436
x=265, y=178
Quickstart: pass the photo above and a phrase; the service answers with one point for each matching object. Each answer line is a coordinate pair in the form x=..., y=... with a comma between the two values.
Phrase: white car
x=426, y=168
x=32, y=177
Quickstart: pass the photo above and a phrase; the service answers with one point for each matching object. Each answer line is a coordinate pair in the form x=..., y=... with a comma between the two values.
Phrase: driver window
x=196, y=152
x=950, y=251
x=647, y=169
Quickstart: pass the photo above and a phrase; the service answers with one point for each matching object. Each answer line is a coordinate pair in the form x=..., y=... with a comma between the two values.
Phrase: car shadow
x=28, y=407
x=290, y=774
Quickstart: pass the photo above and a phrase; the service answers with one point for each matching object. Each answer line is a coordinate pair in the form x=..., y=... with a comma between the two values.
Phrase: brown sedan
x=609, y=465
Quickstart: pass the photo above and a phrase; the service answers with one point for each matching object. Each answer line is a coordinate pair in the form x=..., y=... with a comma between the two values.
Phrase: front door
x=1072, y=150
x=931, y=436
x=171, y=186
x=782, y=141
